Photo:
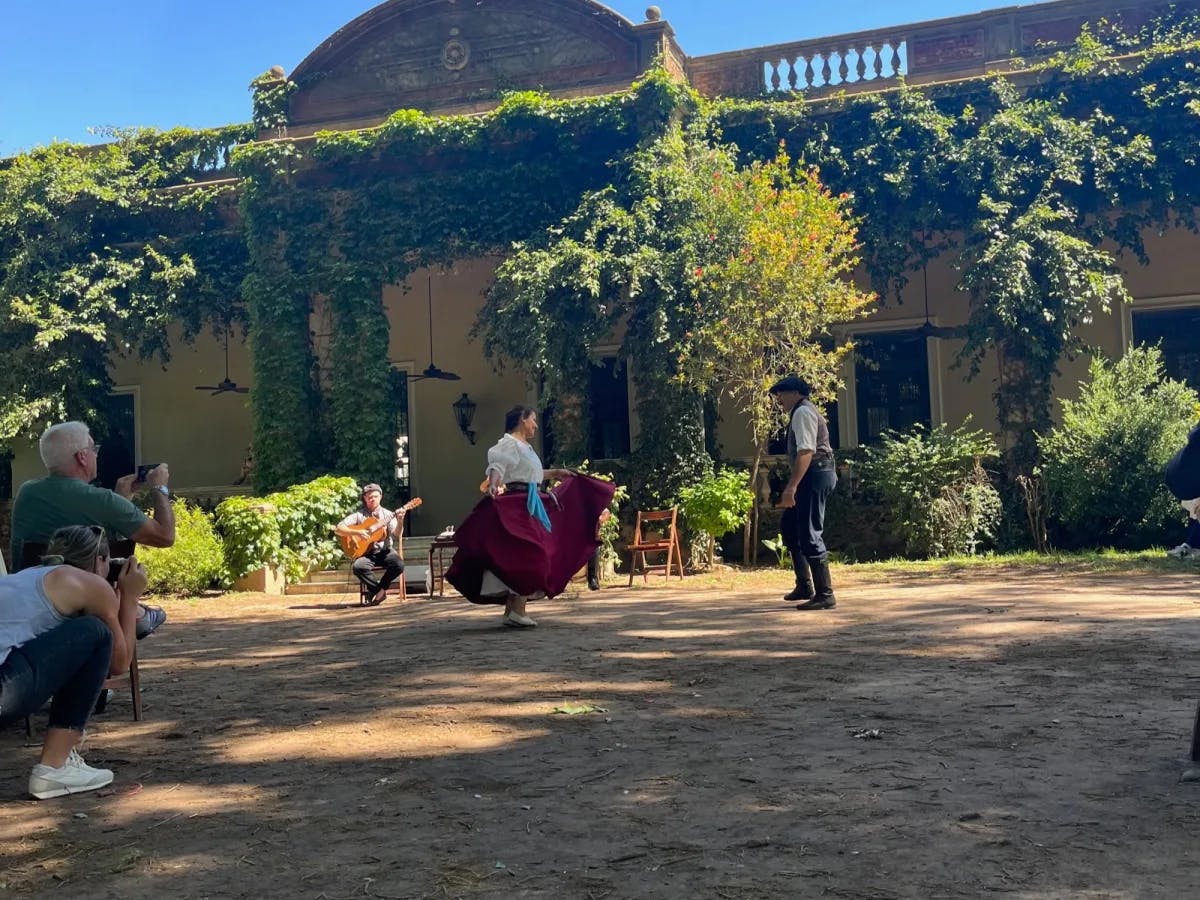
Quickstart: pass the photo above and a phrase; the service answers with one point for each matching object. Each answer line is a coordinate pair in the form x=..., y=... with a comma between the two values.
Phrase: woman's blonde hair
x=78, y=546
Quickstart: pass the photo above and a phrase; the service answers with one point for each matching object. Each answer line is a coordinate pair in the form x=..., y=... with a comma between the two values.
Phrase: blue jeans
x=69, y=663
x=803, y=525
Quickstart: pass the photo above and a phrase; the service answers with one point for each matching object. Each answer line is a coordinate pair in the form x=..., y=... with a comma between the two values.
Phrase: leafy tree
x=723, y=279
x=1103, y=465
x=95, y=261
x=784, y=251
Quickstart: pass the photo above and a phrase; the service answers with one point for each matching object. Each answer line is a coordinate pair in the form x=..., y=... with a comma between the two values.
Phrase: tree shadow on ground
x=955, y=737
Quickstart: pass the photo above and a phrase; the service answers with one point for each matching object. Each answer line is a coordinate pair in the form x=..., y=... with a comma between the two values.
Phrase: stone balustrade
x=923, y=52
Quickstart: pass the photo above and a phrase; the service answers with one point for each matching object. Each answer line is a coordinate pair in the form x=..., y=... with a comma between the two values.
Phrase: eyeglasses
x=93, y=448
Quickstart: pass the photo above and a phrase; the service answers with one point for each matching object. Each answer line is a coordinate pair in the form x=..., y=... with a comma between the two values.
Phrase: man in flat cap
x=813, y=478
x=373, y=521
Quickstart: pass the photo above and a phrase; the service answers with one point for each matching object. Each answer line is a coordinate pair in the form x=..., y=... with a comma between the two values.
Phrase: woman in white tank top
x=63, y=630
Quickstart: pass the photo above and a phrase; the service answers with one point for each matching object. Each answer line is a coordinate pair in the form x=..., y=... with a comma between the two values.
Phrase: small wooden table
x=437, y=573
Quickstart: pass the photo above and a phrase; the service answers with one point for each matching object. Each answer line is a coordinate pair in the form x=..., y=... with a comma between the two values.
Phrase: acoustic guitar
x=355, y=545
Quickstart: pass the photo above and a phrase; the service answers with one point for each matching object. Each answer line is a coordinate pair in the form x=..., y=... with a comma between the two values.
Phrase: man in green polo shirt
x=66, y=497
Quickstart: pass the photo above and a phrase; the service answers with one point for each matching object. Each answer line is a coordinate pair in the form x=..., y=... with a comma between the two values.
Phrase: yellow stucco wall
x=446, y=469
x=204, y=439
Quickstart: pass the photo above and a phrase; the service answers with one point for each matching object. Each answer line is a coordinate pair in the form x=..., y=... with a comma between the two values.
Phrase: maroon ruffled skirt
x=501, y=535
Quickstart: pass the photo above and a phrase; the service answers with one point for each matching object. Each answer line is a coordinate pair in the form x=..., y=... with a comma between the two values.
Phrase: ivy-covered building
x=345, y=249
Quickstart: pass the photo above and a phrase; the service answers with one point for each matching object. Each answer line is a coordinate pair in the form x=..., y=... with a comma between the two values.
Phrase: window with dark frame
x=891, y=374
x=608, y=409
x=1177, y=332
x=402, y=466
x=116, y=435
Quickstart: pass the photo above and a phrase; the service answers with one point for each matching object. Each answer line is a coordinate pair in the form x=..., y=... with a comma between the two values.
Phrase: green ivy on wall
x=1030, y=184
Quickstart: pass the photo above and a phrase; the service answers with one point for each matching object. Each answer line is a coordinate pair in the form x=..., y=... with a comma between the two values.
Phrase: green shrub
x=1103, y=465
x=937, y=496
x=307, y=514
x=249, y=530
x=717, y=505
x=194, y=562
x=859, y=526
x=292, y=528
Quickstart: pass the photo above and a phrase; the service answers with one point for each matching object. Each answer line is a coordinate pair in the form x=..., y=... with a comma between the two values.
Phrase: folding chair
x=31, y=555
x=377, y=572
x=661, y=537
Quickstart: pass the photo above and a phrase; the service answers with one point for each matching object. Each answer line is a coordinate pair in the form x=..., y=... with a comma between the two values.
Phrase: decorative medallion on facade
x=457, y=52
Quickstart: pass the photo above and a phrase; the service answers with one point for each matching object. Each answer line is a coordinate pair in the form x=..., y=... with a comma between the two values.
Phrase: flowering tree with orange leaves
x=778, y=283
x=721, y=279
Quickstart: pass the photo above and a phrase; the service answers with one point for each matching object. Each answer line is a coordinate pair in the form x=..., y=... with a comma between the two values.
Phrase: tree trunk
x=750, y=532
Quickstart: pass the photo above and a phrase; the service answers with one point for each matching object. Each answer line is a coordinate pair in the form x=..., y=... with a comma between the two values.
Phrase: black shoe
x=819, y=603
x=593, y=584
x=800, y=592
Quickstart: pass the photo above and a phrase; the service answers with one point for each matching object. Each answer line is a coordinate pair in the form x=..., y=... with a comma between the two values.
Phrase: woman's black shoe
x=593, y=584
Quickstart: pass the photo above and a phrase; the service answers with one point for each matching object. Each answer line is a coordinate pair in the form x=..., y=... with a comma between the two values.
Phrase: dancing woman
x=521, y=543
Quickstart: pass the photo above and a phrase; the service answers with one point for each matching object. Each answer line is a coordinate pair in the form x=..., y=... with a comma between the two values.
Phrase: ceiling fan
x=225, y=385
x=927, y=329
x=432, y=370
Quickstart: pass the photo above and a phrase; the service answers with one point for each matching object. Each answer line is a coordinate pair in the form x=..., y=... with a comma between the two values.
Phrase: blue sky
x=66, y=65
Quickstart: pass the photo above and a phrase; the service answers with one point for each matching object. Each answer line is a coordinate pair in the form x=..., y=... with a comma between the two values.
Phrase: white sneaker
x=72, y=777
x=1182, y=551
x=517, y=620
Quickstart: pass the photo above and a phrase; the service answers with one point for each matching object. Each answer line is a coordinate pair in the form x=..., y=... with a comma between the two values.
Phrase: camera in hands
x=115, y=565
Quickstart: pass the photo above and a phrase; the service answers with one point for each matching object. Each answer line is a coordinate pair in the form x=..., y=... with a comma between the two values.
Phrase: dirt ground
x=1020, y=734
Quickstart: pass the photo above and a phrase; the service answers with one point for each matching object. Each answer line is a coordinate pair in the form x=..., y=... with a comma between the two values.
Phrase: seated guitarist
x=368, y=520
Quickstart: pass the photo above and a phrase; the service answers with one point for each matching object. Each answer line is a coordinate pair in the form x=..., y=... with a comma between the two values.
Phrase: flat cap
x=367, y=488
x=792, y=383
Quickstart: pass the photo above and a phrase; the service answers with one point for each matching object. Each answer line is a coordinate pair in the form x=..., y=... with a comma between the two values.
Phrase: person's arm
x=75, y=592
x=160, y=530
x=349, y=526
x=804, y=427
x=799, y=468
x=502, y=458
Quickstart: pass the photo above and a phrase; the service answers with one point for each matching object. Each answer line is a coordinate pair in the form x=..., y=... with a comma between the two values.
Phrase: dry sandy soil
x=1020, y=735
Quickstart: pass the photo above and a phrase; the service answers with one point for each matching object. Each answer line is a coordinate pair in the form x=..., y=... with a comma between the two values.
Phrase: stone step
x=340, y=581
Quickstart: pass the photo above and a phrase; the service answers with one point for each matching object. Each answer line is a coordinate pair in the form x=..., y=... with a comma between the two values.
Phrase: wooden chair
x=661, y=537
x=377, y=572
x=31, y=555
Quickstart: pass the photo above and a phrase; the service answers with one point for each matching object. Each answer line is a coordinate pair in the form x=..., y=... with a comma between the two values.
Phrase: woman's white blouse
x=515, y=461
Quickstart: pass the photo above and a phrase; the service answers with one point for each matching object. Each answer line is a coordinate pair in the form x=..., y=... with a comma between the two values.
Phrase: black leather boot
x=804, y=585
x=593, y=572
x=822, y=585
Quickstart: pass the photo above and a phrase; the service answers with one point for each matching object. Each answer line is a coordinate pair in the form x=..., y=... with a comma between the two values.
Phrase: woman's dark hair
x=78, y=546
x=516, y=416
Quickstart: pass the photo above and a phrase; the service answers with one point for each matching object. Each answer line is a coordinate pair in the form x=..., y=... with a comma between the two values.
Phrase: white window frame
x=1151, y=304
x=409, y=368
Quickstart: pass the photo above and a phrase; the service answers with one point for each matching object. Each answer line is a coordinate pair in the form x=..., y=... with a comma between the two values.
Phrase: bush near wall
x=933, y=488
x=1103, y=466
x=292, y=528
x=195, y=562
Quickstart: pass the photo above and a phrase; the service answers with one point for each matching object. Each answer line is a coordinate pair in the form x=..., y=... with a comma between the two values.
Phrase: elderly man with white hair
x=66, y=497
